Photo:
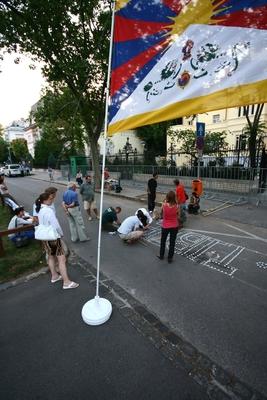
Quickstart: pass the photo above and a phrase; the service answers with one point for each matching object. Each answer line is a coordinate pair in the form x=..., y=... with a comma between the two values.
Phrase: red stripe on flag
x=124, y=72
x=256, y=19
x=174, y=5
x=126, y=29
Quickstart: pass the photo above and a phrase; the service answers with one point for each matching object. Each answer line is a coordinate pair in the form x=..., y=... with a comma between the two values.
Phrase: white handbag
x=46, y=232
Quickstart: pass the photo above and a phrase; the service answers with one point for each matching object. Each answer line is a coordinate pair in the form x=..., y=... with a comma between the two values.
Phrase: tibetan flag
x=175, y=58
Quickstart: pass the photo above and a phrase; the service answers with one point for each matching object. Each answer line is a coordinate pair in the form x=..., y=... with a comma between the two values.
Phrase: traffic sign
x=200, y=129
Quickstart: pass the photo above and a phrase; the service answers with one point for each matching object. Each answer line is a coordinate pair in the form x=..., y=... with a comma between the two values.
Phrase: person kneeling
x=193, y=205
x=131, y=229
x=110, y=218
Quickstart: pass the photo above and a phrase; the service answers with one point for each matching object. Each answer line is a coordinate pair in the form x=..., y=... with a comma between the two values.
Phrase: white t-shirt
x=15, y=222
x=129, y=224
x=46, y=216
x=35, y=214
x=146, y=213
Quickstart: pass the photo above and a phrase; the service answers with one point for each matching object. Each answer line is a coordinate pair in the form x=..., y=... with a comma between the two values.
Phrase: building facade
x=231, y=120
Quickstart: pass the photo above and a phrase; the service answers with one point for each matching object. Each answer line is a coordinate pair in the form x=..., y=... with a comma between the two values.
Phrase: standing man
x=72, y=209
x=151, y=192
x=87, y=191
x=181, y=198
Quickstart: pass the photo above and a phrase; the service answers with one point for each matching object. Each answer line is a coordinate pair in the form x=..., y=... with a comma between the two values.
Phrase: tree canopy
x=185, y=142
x=3, y=150
x=19, y=149
x=70, y=37
x=57, y=118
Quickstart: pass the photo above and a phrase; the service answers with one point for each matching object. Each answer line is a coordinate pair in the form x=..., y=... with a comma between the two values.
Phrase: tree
x=56, y=118
x=71, y=38
x=1, y=131
x=20, y=150
x=214, y=143
x=154, y=137
x=254, y=131
x=3, y=150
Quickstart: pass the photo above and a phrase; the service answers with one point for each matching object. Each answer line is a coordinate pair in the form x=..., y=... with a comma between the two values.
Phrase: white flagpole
x=98, y=310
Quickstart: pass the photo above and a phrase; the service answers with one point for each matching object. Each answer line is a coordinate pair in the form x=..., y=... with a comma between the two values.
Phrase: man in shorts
x=88, y=195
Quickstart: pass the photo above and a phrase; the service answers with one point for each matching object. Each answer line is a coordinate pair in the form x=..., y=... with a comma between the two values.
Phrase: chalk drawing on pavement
x=201, y=249
x=261, y=264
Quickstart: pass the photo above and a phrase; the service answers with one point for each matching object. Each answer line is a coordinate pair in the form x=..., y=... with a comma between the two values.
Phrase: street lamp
x=127, y=148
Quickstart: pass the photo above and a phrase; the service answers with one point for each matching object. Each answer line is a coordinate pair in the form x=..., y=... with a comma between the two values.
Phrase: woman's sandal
x=72, y=285
x=59, y=278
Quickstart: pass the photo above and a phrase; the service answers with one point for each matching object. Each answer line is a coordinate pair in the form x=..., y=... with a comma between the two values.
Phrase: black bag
x=118, y=189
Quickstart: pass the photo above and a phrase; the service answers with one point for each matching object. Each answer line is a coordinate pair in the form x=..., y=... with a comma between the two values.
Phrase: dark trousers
x=164, y=234
x=151, y=202
x=109, y=227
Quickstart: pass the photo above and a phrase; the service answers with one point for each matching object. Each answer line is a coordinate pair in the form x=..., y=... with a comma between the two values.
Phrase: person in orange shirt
x=181, y=198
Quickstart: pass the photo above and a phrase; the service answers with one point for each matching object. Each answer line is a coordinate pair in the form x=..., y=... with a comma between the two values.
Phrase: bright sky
x=20, y=88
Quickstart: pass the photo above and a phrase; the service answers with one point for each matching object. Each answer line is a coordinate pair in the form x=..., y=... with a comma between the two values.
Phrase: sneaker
x=89, y=218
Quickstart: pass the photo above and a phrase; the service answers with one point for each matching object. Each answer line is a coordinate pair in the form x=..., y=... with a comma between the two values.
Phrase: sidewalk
x=48, y=352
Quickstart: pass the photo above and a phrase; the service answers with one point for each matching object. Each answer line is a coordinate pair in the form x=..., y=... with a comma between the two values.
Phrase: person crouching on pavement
x=131, y=228
x=170, y=222
x=193, y=205
x=53, y=248
x=88, y=195
x=72, y=208
x=146, y=218
x=110, y=218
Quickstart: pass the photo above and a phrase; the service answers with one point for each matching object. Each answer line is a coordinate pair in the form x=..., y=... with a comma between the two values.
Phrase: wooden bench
x=9, y=232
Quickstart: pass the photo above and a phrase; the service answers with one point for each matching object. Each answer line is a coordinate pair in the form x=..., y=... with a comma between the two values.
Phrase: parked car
x=2, y=171
x=13, y=170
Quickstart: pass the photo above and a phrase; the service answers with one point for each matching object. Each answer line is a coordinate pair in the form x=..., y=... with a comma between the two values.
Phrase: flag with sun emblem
x=175, y=58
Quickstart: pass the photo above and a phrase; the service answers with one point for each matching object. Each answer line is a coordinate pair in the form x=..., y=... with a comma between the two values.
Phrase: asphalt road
x=213, y=295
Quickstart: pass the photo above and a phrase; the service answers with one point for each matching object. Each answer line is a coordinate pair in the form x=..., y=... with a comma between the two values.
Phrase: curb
x=23, y=279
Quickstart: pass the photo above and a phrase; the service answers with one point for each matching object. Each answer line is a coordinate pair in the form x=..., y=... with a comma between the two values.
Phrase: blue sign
x=200, y=129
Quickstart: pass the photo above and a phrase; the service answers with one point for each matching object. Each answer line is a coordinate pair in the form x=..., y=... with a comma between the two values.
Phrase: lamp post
x=127, y=149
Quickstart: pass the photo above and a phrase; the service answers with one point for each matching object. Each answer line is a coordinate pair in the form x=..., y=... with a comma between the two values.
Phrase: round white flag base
x=96, y=311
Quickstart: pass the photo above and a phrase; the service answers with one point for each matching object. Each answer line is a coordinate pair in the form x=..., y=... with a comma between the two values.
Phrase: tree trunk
x=92, y=140
x=95, y=161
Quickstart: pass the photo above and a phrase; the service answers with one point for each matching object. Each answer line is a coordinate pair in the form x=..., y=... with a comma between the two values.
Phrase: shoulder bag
x=46, y=233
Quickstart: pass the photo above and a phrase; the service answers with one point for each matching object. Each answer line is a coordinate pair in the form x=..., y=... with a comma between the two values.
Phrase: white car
x=2, y=170
x=13, y=170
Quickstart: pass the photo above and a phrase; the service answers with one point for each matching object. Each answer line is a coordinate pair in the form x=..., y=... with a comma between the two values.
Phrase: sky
x=20, y=88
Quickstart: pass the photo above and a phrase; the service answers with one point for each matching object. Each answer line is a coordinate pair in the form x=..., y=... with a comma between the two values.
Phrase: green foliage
x=154, y=138
x=20, y=149
x=1, y=131
x=58, y=118
x=71, y=38
x=18, y=261
x=254, y=131
x=214, y=142
x=3, y=150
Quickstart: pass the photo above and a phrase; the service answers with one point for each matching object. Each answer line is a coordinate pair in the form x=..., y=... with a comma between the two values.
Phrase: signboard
x=200, y=129
x=200, y=135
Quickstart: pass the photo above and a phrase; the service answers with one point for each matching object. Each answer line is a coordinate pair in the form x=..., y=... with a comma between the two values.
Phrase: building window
x=216, y=118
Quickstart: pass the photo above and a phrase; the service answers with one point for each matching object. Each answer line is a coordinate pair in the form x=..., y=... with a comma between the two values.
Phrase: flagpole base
x=96, y=311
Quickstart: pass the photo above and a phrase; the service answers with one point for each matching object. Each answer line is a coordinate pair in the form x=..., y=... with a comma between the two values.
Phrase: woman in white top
x=146, y=218
x=54, y=248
